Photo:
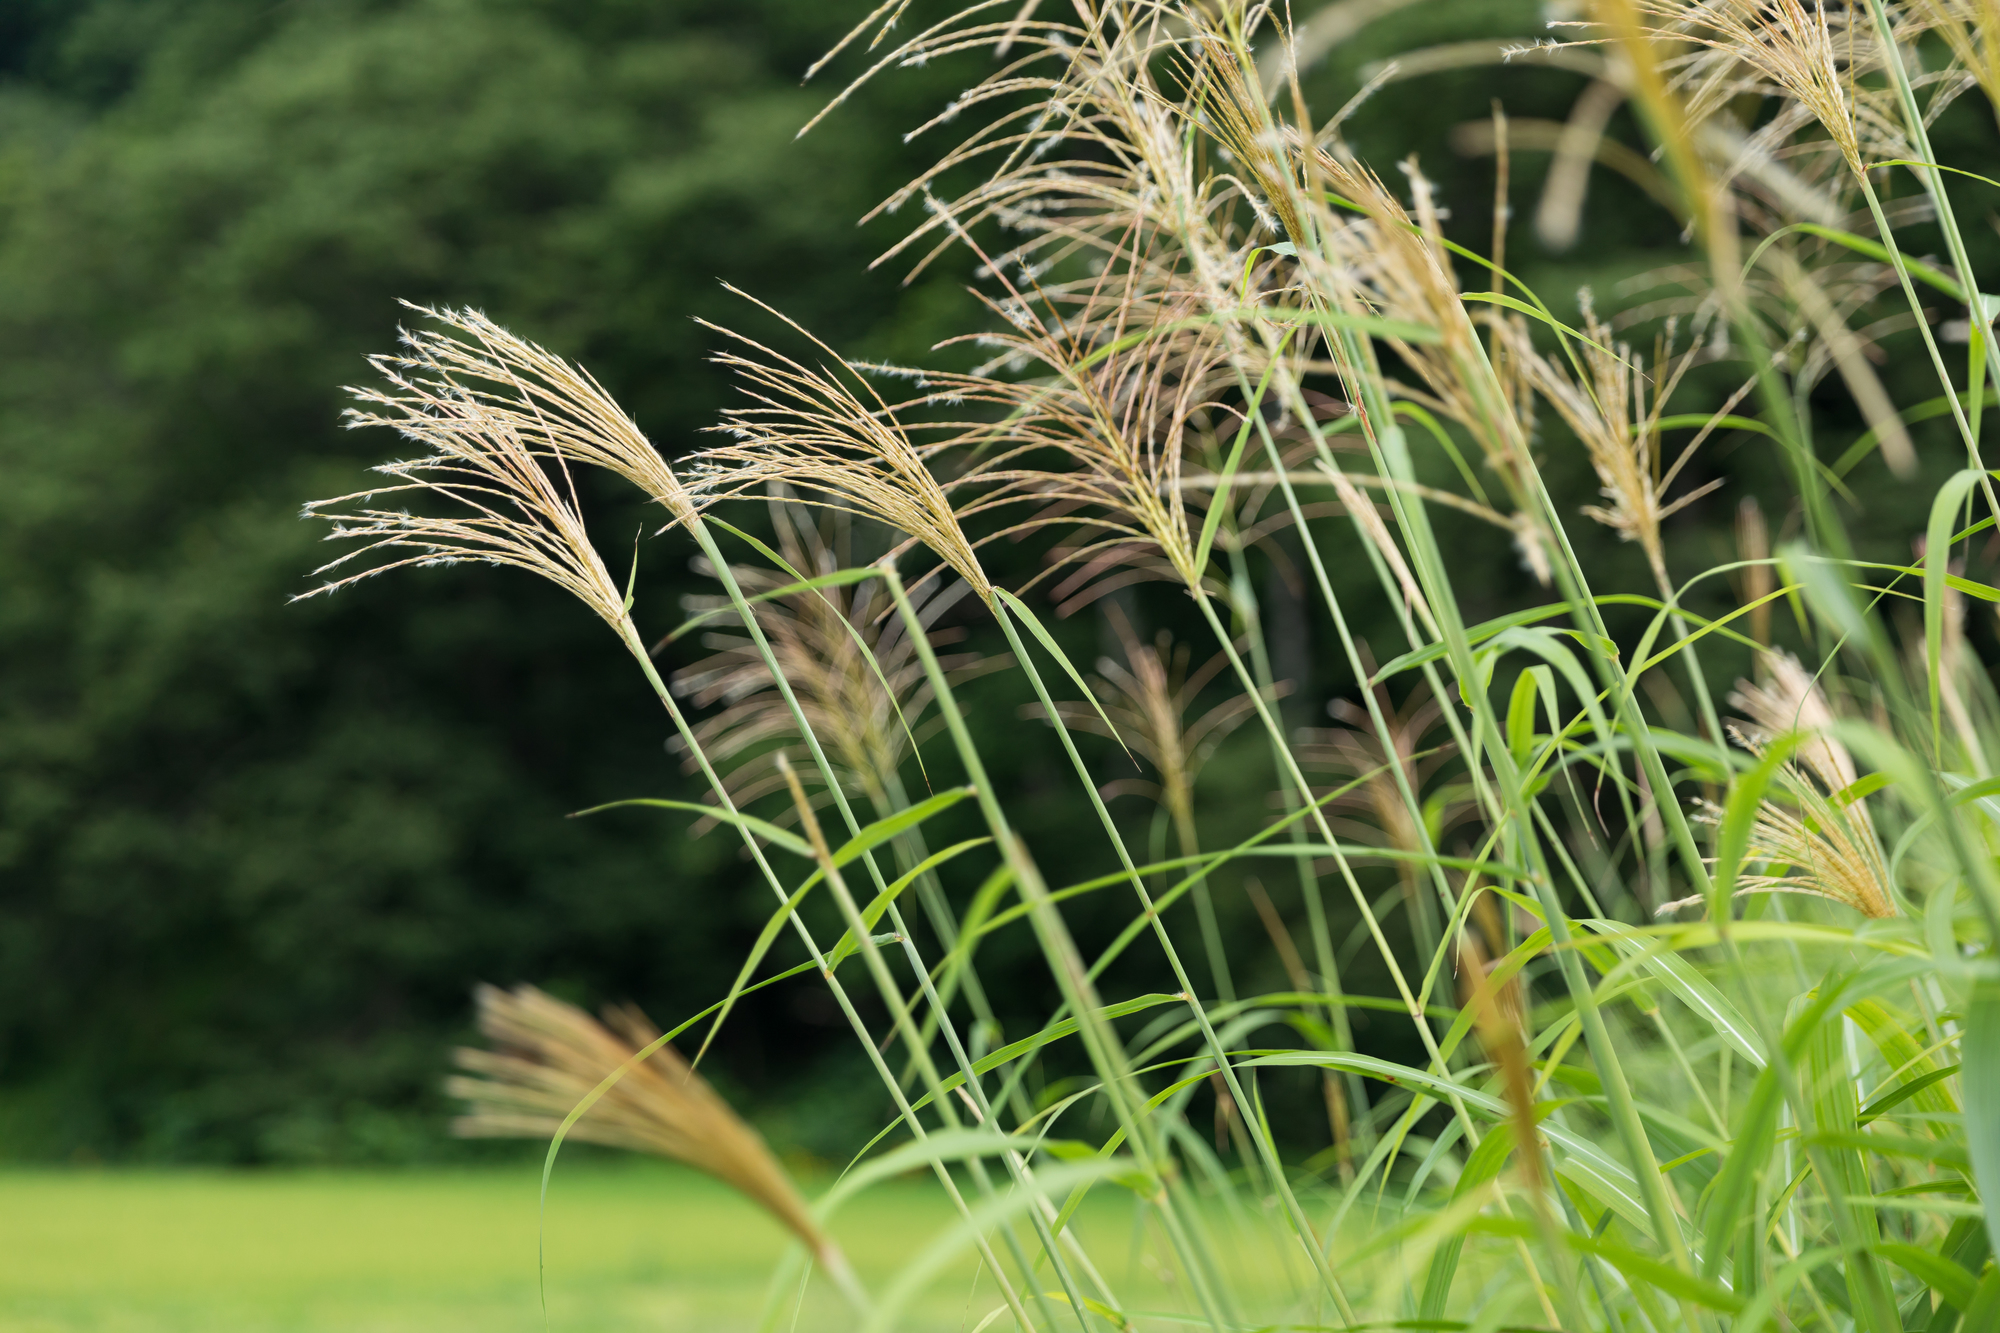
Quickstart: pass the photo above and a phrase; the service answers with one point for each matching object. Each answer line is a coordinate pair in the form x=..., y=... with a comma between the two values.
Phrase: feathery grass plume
x=548, y=1056
x=1811, y=297
x=1789, y=699
x=1616, y=415
x=1813, y=54
x=1965, y=691
x=812, y=430
x=1099, y=441
x=1151, y=340
x=1174, y=243
x=500, y=416
x=1972, y=29
x=561, y=409
x=1758, y=580
x=1822, y=840
x=1097, y=178
x=831, y=643
x=1398, y=258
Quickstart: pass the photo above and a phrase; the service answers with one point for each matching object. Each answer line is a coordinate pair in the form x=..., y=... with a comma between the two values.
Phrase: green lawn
x=640, y=1247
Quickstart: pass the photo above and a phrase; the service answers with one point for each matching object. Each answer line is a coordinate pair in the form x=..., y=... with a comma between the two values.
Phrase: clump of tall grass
x=1697, y=970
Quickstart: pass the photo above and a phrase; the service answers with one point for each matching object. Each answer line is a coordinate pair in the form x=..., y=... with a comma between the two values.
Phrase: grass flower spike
x=1616, y=415
x=813, y=431
x=1816, y=836
x=503, y=420
x=489, y=457
x=1149, y=700
x=856, y=674
x=1545, y=1109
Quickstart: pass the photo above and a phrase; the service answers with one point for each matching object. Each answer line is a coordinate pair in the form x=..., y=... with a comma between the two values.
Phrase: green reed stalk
x=1099, y=1039
x=1266, y=1149
x=1247, y=607
x=908, y=1114
x=878, y=968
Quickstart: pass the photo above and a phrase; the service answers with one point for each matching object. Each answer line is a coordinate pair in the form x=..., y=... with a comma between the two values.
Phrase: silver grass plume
x=1821, y=841
x=502, y=420
x=1149, y=698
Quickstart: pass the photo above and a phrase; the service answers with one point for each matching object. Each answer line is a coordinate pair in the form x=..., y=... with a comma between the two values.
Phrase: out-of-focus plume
x=1559, y=216
x=1972, y=29
x=1376, y=811
x=1148, y=698
x=548, y=1056
x=854, y=671
x=1753, y=544
x=1791, y=700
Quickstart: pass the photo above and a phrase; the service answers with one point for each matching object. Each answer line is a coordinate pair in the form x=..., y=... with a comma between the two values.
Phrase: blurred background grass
x=437, y=1250
x=445, y=1250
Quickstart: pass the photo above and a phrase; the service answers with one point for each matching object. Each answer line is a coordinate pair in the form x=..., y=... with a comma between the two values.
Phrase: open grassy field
x=639, y=1247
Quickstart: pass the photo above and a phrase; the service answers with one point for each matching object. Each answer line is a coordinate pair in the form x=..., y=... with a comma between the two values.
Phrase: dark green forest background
x=254, y=855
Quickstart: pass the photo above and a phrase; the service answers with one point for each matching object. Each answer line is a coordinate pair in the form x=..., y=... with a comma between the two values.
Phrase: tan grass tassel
x=548, y=1056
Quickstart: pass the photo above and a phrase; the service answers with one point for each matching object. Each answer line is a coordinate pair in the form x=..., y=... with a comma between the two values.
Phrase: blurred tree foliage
x=253, y=855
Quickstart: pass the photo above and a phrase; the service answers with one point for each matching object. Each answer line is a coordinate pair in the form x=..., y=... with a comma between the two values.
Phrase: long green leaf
x=1048, y=641
x=769, y=832
x=1219, y=504
x=872, y=913
x=1948, y=1279
x=839, y=578
x=867, y=654
x=1937, y=555
x=1484, y=1164
x=1535, y=312
x=1979, y=1048
x=1874, y=250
